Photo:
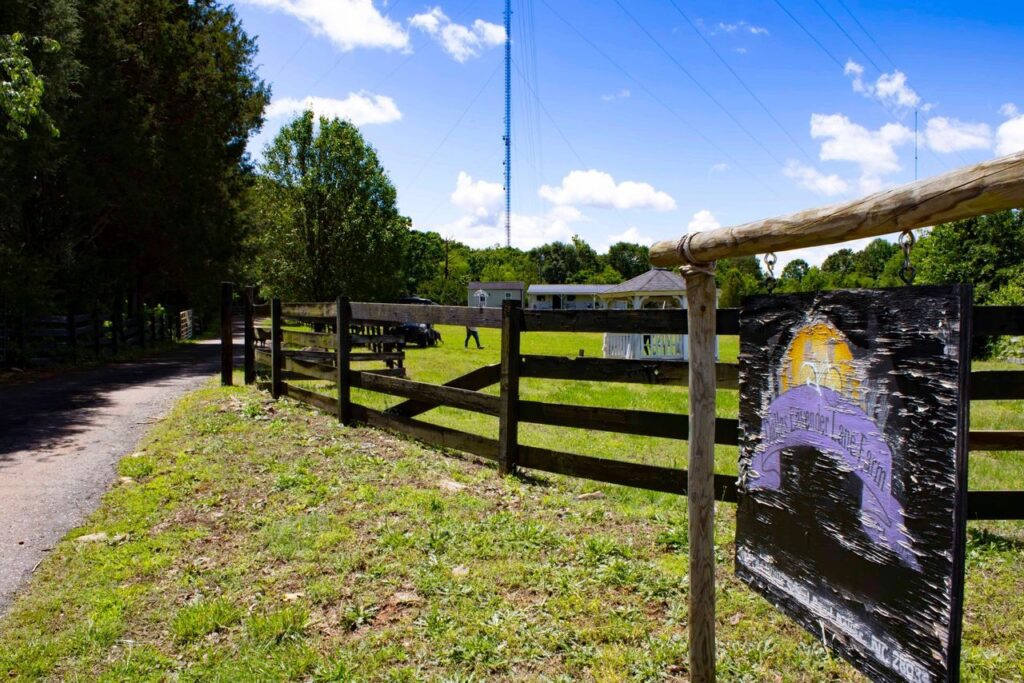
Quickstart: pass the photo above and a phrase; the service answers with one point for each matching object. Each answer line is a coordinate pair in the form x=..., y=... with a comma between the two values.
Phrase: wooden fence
x=332, y=358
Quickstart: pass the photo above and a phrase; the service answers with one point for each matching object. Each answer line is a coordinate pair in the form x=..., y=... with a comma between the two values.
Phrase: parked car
x=421, y=334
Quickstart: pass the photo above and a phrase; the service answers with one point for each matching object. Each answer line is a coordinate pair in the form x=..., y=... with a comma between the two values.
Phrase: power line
x=811, y=35
x=700, y=85
x=848, y=36
x=654, y=97
x=342, y=55
x=742, y=82
x=867, y=33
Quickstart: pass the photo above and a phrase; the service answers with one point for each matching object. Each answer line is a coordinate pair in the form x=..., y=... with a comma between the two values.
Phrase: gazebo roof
x=654, y=280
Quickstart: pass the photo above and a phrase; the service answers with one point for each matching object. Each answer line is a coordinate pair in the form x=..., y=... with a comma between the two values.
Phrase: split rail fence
x=295, y=356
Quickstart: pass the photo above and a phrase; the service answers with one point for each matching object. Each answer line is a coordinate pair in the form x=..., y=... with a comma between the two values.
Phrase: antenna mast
x=508, y=123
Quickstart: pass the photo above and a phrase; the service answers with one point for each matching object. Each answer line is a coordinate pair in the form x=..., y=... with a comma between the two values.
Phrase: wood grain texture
x=984, y=188
x=701, y=296
x=276, y=358
x=309, y=368
x=474, y=380
x=343, y=348
x=434, y=435
x=444, y=315
x=508, y=418
x=248, y=335
x=676, y=373
x=321, y=311
x=626, y=321
x=318, y=401
x=421, y=391
x=227, y=353
x=319, y=340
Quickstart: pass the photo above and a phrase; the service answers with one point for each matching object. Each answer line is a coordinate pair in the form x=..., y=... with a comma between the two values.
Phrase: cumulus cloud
x=461, y=42
x=349, y=24
x=703, y=220
x=631, y=234
x=951, y=135
x=1010, y=134
x=597, y=188
x=873, y=150
x=528, y=231
x=720, y=167
x=479, y=198
x=814, y=180
x=360, y=108
x=890, y=89
x=743, y=27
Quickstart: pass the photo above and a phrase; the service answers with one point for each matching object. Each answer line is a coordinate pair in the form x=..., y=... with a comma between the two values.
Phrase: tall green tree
x=328, y=224
x=629, y=259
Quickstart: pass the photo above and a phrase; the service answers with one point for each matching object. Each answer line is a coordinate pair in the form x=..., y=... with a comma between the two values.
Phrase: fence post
x=249, y=334
x=700, y=299
x=508, y=415
x=343, y=349
x=276, y=360
x=226, y=337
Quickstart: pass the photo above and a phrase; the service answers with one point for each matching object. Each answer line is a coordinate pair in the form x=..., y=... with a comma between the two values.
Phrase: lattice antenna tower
x=508, y=123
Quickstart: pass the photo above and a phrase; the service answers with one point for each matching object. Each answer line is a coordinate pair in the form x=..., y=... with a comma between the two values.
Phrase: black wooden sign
x=851, y=516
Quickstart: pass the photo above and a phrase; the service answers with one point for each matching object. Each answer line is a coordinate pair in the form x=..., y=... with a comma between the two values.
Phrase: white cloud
x=742, y=26
x=1010, y=136
x=951, y=135
x=597, y=188
x=720, y=167
x=703, y=220
x=630, y=234
x=812, y=179
x=478, y=197
x=620, y=95
x=360, y=108
x=461, y=42
x=528, y=231
x=349, y=24
x=1009, y=109
x=890, y=89
x=873, y=150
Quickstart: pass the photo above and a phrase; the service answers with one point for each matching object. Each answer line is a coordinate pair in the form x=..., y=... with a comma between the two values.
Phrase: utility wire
x=848, y=36
x=654, y=97
x=742, y=82
x=280, y=70
x=867, y=33
x=342, y=55
x=700, y=85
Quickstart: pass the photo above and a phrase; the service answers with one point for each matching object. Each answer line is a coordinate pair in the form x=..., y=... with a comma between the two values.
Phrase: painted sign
x=853, y=415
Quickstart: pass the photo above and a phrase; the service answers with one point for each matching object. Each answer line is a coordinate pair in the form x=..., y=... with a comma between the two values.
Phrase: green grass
x=264, y=542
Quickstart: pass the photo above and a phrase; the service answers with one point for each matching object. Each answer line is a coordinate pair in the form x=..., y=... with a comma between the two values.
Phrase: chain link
x=770, y=260
x=907, y=270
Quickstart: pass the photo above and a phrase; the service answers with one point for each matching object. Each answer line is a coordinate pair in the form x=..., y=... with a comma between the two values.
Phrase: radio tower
x=508, y=123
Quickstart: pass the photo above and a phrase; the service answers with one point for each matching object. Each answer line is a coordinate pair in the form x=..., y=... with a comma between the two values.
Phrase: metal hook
x=907, y=270
x=770, y=259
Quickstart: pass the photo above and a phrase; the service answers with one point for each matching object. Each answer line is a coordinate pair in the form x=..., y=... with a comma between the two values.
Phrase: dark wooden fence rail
x=323, y=358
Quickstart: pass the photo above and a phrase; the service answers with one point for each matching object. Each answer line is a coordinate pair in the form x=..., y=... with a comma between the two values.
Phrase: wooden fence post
x=226, y=336
x=508, y=415
x=343, y=348
x=700, y=299
x=249, y=334
x=276, y=359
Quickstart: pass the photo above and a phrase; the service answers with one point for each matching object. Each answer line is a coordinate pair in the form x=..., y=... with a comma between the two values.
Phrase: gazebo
x=657, y=288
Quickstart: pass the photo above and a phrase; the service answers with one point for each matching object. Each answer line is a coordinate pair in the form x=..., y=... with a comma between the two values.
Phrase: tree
x=330, y=225
x=871, y=259
x=737, y=278
x=794, y=271
x=629, y=259
x=840, y=263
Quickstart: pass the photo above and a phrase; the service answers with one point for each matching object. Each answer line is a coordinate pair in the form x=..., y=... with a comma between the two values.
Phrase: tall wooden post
x=508, y=415
x=343, y=349
x=226, y=335
x=249, y=334
x=700, y=298
x=276, y=359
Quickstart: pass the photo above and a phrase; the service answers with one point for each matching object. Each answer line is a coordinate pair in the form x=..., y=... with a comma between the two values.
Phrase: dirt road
x=60, y=439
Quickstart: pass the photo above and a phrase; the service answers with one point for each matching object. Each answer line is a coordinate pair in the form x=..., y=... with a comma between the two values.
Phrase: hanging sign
x=853, y=422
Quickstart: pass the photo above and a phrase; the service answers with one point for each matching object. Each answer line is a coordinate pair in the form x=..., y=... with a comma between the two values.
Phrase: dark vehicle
x=421, y=334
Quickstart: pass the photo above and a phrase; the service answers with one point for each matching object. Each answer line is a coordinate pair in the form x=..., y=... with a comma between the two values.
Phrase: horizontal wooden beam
x=416, y=313
x=635, y=475
x=480, y=378
x=622, y=370
x=995, y=440
x=311, y=369
x=994, y=385
x=441, y=395
x=367, y=357
x=623, y=321
x=320, y=340
x=319, y=401
x=618, y=420
x=995, y=505
x=317, y=311
x=994, y=321
x=367, y=339
x=434, y=435
x=984, y=188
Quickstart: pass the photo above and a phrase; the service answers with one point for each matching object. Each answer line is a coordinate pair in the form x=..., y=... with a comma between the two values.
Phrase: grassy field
x=250, y=540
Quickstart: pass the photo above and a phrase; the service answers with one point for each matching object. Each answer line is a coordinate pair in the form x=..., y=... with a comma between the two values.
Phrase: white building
x=491, y=294
x=568, y=297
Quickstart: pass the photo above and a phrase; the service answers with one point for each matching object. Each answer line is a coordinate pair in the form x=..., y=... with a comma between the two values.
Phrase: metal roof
x=496, y=285
x=567, y=289
x=654, y=280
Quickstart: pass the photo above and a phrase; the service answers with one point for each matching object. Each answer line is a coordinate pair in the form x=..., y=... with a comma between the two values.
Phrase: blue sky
x=642, y=120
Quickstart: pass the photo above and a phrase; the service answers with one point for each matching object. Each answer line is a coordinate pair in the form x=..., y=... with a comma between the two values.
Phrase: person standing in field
x=472, y=333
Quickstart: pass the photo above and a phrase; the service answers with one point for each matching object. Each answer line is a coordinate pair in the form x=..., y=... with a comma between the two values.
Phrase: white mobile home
x=568, y=297
x=491, y=294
